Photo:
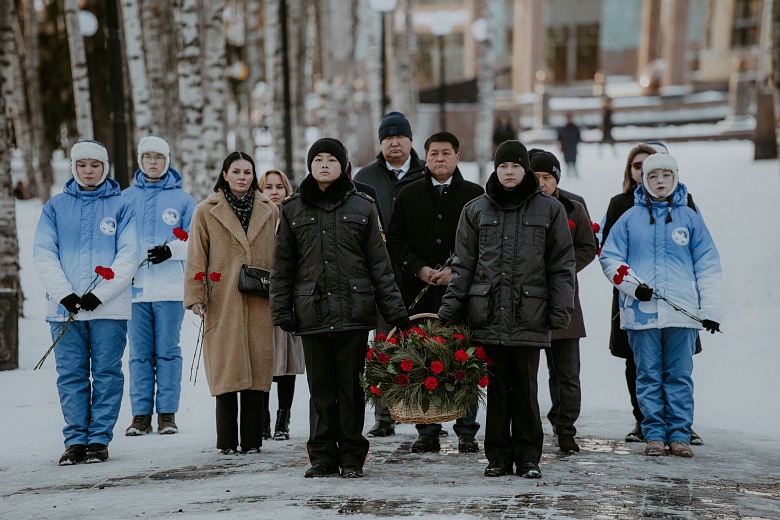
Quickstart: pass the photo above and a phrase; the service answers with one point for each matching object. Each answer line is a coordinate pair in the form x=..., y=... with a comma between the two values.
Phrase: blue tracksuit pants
x=155, y=356
x=89, y=378
x=664, y=382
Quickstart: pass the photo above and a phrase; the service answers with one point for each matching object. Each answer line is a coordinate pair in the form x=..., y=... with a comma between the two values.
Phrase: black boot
x=267, y=425
x=282, y=429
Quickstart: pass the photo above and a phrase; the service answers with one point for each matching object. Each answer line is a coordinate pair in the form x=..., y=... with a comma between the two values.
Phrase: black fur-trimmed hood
x=333, y=195
x=511, y=199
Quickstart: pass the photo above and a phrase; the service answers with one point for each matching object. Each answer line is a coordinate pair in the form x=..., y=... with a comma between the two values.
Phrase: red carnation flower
x=484, y=381
x=105, y=272
x=480, y=352
x=623, y=270
x=406, y=365
x=380, y=337
x=439, y=339
x=402, y=379
x=431, y=383
x=383, y=358
x=370, y=354
x=461, y=355
x=595, y=226
x=458, y=337
x=488, y=360
x=571, y=224
x=437, y=367
x=417, y=330
x=215, y=277
x=376, y=391
x=460, y=375
x=618, y=279
x=199, y=276
x=391, y=340
x=180, y=234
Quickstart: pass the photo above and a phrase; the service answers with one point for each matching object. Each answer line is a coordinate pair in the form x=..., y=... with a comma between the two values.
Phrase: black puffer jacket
x=331, y=269
x=513, y=278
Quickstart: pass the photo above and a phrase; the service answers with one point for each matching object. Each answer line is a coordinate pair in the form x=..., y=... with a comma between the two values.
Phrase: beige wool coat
x=238, y=348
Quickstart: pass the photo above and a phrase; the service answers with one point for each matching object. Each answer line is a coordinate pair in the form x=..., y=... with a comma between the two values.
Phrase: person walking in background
x=87, y=227
x=421, y=241
x=233, y=227
x=330, y=273
x=503, y=131
x=569, y=139
x=661, y=230
x=161, y=206
x=563, y=356
x=397, y=165
x=618, y=338
x=606, y=124
x=513, y=281
x=288, y=349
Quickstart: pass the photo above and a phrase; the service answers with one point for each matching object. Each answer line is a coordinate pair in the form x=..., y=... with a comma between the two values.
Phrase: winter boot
x=267, y=425
x=96, y=453
x=655, y=449
x=567, y=444
x=166, y=423
x=696, y=439
x=73, y=455
x=282, y=429
x=142, y=424
x=635, y=435
x=680, y=449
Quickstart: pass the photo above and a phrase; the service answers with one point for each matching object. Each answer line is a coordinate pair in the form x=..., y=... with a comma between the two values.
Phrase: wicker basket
x=404, y=414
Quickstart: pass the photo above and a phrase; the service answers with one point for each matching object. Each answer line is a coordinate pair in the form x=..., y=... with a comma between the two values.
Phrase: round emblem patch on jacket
x=681, y=236
x=108, y=226
x=170, y=216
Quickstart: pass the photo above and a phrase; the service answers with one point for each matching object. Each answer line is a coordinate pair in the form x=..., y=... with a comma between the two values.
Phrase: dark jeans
x=251, y=420
x=513, y=431
x=563, y=363
x=631, y=383
x=466, y=425
x=337, y=407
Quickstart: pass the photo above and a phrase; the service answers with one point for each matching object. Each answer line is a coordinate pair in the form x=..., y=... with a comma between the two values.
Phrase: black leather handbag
x=254, y=280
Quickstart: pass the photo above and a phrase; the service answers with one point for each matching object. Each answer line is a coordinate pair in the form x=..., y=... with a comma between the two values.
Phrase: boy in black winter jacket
x=330, y=272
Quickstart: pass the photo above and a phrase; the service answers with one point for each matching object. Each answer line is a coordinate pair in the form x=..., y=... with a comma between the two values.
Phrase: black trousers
x=513, y=429
x=563, y=364
x=251, y=420
x=285, y=390
x=631, y=384
x=337, y=406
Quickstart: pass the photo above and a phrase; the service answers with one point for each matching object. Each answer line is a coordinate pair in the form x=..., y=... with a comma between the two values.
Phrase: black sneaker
x=467, y=444
x=696, y=440
x=321, y=470
x=96, y=453
x=567, y=444
x=529, y=470
x=352, y=472
x=426, y=444
x=228, y=451
x=382, y=429
x=166, y=423
x=249, y=451
x=141, y=425
x=636, y=434
x=73, y=454
x=498, y=468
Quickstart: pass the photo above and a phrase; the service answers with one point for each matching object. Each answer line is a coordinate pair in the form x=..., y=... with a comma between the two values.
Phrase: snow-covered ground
x=734, y=475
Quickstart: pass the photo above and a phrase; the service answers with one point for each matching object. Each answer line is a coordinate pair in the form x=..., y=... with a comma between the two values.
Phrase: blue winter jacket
x=160, y=207
x=78, y=231
x=678, y=259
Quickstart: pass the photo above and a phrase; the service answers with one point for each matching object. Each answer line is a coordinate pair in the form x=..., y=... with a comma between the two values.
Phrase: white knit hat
x=152, y=143
x=88, y=150
x=659, y=161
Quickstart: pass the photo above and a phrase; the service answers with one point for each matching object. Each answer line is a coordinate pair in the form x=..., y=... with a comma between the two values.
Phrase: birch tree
x=253, y=59
x=486, y=87
x=136, y=67
x=776, y=65
x=78, y=66
x=21, y=117
x=215, y=96
x=405, y=87
x=351, y=138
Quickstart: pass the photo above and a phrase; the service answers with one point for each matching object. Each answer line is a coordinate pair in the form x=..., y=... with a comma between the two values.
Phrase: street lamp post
x=383, y=7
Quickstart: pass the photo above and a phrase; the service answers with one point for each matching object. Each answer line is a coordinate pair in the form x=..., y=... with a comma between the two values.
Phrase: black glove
x=288, y=326
x=643, y=293
x=402, y=325
x=71, y=302
x=89, y=302
x=712, y=326
x=158, y=254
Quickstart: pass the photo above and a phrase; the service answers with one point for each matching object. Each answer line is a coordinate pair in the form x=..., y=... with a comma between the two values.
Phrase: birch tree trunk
x=405, y=90
x=351, y=132
x=776, y=66
x=42, y=149
x=275, y=77
x=483, y=136
x=21, y=116
x=215, y=97
x=326, y=85
x=252, y=58
x=136, y=68
x=302, y=32
x=193, y=154
x=373, y=22
x=78, y=66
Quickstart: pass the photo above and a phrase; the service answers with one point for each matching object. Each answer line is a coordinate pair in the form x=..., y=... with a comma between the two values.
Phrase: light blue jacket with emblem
x=678, y=259
x=160, y=207
x=78, y=231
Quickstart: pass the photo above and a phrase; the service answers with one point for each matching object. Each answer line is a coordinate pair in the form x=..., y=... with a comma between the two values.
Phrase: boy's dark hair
x=442, y=137
x=222, y=184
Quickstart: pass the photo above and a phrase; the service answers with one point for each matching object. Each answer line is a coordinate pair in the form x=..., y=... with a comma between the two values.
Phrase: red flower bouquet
x=430, y=373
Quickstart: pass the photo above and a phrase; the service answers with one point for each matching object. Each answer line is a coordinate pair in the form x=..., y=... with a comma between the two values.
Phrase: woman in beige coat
x=234, y=226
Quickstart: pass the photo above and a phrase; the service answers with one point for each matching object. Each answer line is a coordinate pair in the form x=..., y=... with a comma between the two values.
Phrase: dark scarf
x=511, y=199
x=242, y=207
x=312, y=194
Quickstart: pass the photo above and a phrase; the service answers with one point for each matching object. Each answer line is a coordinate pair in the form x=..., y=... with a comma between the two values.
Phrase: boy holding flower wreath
x=87, y=226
